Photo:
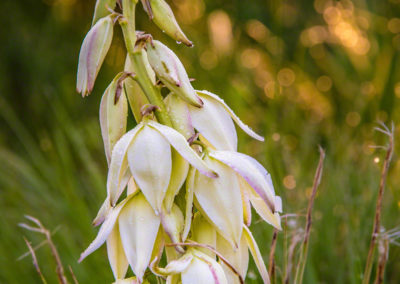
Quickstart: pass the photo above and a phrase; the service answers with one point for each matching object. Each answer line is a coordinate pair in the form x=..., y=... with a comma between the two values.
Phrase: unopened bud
x=102, y=9
x=160, y=12
x=113, y=114
x=93, y=51
x=171, y=72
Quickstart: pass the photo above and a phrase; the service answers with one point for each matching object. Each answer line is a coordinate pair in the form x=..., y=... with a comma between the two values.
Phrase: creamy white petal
x=220, y=200
x=238, y=258
x=173, y=223
x=180, y=144
x=118, y=176
x=243, y=126
x=138, y=227
x=105, y=229
x=215, y=124
x=203, y=269
x=116, y=255
x=179, y=173
x=252, y=171
x=255, y=251
x=149, y=158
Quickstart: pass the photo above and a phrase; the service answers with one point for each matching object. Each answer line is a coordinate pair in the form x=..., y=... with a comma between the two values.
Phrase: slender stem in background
x=290, y=259
x=378, y=209
x=35, y=262
x=271, y=268
x=304, y=247
x=41, y=229
x=152, y=93
x=383, y=257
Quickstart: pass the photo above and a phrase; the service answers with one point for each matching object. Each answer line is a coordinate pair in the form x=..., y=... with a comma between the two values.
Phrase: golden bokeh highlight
x=289, y=182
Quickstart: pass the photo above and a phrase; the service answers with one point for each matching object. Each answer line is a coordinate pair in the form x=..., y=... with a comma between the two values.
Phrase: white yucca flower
x=189, y=192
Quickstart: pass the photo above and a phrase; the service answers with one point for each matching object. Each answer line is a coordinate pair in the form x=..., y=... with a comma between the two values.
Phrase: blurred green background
x=301, y=73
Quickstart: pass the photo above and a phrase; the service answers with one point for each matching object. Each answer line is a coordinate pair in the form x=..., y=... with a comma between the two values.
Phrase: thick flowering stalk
x=176, y=184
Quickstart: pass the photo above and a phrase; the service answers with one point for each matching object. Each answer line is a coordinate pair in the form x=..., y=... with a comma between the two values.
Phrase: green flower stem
x=141, y=75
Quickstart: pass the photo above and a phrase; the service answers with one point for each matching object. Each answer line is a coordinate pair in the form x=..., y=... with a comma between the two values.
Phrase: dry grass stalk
x=34, y=260
x=378, y=209
x=290, y=260
x=271, y=268
x=41, y=229
x=383, y=249
x=304, y=247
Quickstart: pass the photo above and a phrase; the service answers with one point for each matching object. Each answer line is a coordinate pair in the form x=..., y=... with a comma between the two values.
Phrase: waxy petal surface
x=243, y=126
x=220, y=200
x=138, y=227
x=215, y=124
x=150, y=162
x=181, y=145
x=116, y=255
x=252, y=171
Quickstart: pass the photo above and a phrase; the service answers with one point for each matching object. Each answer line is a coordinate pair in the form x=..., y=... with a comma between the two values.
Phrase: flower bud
x=101, y=9
x=113, y=114
x=171, y=72
x=204, y=233
x=164, y=18
x=93, y=51
x=173, y=223
x=219, y=200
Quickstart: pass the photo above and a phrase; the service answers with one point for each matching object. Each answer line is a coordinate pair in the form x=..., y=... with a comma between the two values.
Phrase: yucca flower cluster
x=179, y=195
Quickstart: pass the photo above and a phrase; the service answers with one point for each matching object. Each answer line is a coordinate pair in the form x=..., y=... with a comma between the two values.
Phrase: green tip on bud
x=160, y=12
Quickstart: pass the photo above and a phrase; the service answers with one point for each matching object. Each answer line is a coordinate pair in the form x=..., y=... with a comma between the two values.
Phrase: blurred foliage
x=302, y=73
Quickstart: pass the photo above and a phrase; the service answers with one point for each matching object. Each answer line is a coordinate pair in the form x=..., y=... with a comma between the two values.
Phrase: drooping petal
x=118, y=176
x=252, y=171
x=189, y=202
x=179, y=172
x=150, y=163
x=203, y=269
x=138, y=227
x=170, y=71
x=238, y=258
x=204, y=233
x=255, y=251
x=105, y=229
x=101, y=215
x=243, y=126
x=263, y=210
x=215, y=124
x=93, y=51
x=116, y=255
x=181, y=145
x=220, y=201
x=113, y=116
x=176, y=266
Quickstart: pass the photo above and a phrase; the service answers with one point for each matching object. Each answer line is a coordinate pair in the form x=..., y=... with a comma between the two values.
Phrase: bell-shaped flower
x=160, y=12
x=147, y=151
x=102, y=9
x=113, y=114
x=219, y=200
x=257, y=184
x=194, y=267
x=170, y=71
x=214, y=121
x=138, y=228
x=93, y=51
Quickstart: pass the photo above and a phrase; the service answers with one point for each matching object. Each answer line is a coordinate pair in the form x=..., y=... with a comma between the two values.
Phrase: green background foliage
x=301, y=73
